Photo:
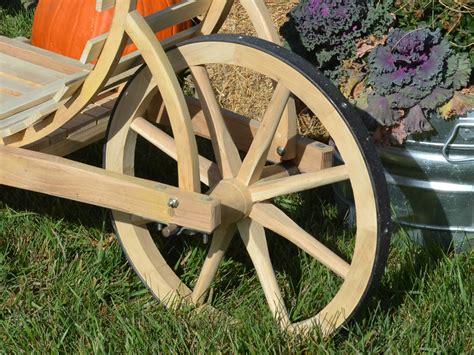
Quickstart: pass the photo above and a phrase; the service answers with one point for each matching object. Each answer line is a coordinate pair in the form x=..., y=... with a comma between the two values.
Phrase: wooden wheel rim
x=373, y=222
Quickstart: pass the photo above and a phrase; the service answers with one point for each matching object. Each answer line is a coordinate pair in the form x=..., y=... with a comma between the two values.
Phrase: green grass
x=65, y=285
x=15, y=21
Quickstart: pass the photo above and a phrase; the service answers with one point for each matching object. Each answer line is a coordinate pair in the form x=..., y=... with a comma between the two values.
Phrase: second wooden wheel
x=249, y=187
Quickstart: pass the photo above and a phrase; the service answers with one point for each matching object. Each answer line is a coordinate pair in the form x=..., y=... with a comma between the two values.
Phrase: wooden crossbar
x=39, y=172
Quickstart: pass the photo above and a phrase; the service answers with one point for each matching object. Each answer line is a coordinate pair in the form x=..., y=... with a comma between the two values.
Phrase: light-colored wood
x=132, y=197
x=58, y=90
x=221, y=240
x=261, y=20
x=287, y=130
x=102, y=5
x=225, y=151
x=266, y=190
x=253, y=236
x=256, y=157
x=269, y=216
x=358, y=277
x=208, y=171
x=216, y=16
x=41, y=57
x=158, y=21
x=92, y=86
x=134, y=59
x=170, y=91
x=311, y=155
x=80, y=182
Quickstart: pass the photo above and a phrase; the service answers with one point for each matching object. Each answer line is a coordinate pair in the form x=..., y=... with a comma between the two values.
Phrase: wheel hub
x=235, y=200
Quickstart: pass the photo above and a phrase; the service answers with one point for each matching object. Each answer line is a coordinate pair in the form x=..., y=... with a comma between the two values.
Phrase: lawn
x=65, y=285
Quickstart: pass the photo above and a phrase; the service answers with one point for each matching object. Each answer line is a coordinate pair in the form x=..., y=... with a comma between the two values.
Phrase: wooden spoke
x=226, y=152
x=254, y=162
x=268, y=189
x=220, y=243
x=208, y=171
x=253, y=235
x=274, y=219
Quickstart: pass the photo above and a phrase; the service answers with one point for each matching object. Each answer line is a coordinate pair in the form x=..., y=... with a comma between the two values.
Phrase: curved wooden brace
x=173, y=98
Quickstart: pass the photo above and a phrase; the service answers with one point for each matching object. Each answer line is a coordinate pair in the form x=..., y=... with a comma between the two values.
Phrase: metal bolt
x=281, y=151
x=205, y=238
x=170, y=230
x=173, y=203
x=159, y=227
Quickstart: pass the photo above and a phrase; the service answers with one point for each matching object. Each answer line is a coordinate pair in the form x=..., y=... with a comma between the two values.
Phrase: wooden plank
x=9, y=76
x=40, y=95
x=26, y=118
x=64, y=178
x=13, y=87
x=65, y=143
x=41, y=57
x=27, y=73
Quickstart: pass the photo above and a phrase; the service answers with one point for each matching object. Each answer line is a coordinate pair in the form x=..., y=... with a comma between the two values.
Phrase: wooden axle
x=64, y=178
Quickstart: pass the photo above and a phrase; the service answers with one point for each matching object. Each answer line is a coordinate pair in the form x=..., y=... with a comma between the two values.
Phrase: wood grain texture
x=173, y=98
x=225, y=150
x=80, y=182
x=275, y=220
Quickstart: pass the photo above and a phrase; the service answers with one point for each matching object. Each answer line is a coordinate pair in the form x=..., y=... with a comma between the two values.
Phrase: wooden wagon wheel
x=245, y=195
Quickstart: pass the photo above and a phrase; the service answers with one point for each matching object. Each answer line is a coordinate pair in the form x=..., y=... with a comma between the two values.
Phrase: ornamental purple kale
x=325, y=31
x=414, y=73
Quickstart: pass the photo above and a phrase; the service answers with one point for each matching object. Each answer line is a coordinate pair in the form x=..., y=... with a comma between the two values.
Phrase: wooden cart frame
x=72, y=111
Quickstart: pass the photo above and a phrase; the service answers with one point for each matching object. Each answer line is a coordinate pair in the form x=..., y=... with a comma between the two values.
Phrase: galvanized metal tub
x=431, y=184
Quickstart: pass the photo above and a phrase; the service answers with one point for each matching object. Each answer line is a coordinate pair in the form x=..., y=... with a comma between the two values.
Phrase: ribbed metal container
x=431, y=184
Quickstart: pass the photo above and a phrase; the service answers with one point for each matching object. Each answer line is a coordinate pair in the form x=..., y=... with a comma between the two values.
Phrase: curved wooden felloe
x=244, y=186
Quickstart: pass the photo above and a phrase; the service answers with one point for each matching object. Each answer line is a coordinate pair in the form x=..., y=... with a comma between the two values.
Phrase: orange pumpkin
x=65, y=26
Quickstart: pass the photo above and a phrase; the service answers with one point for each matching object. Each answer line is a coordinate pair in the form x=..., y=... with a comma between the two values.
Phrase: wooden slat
x=26, y=118
x=58, y=90
x=11, y=87
x=158, y=21
x=40, y=56
x=25, y=72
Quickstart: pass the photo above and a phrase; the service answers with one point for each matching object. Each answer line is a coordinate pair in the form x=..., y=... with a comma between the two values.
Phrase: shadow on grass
x=58, y=208
x=408, y=263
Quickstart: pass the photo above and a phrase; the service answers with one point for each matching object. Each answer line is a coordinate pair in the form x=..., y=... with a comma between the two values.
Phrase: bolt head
x=281, y=151
x=173, y=203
